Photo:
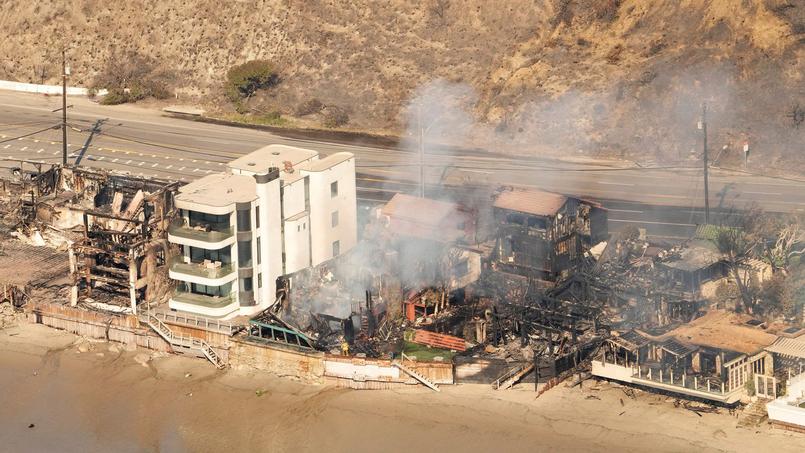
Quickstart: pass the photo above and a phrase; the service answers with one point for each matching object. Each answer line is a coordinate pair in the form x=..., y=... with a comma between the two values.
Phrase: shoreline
x=95, y=395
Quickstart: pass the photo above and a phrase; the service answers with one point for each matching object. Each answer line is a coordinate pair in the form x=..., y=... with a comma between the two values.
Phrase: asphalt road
x=667, y=201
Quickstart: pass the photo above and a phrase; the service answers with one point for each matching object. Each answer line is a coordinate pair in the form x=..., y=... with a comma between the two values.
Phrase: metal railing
x=211, y=232
x=199, y=322
x=205, y=300
x=185, y=341
x=178, y=265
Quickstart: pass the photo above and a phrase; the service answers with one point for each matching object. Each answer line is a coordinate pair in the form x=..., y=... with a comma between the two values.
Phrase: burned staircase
x=430, y=384
x=754, y=414
x=512, y=376
x=179, y=341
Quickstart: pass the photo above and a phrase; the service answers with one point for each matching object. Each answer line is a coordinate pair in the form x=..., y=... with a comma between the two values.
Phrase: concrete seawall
x=240, y=352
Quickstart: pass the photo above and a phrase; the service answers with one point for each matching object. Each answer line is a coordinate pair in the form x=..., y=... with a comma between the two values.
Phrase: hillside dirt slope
x=599, y=77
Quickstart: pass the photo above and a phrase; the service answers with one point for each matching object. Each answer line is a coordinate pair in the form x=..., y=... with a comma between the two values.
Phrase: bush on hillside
x=131, y=77
x=335, y=116
x=309, y=107
x=243, y=80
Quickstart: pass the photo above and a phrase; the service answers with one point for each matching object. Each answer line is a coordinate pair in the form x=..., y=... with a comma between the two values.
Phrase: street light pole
x=421, y=152
x=65, y=72
x=706, y=186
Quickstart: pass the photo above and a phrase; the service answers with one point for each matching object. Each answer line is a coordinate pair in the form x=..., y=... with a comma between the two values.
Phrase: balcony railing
x=205, y=270
x=202, y=300
x=211, y=232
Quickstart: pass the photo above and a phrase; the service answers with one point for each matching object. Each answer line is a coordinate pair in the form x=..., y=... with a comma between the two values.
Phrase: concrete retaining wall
x=279, y=360
x=120, y=328
x=45, y=89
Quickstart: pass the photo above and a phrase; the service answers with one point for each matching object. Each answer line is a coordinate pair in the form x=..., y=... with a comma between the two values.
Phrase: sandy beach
x=60, y=392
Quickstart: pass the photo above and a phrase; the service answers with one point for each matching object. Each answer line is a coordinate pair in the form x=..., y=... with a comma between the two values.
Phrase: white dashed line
x=181, y=168
x=23, y=148
x=7, y=147
x=114, y=160
x=168, y=167
x=195, y=170
x=39, y=151
x=101, y=158
x=129, y=161
x=140, y=164
x=154, y=165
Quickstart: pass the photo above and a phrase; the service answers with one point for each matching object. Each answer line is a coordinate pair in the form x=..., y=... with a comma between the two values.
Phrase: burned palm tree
x=736, y=246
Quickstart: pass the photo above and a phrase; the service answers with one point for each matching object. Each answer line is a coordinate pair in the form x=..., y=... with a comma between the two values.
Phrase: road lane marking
x=23, y=148
x=762, y=193
x=653, y=223
x=154, y=165
x=625, y=210
x=607, y=183
x=7, y=147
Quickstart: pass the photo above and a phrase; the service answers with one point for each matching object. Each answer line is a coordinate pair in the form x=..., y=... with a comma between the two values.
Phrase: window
x=334, y=189
x=246, y=284
x=244, y=220
x=258, y=250
x=214, y=291
x=211, y=222
x=257, y=216
x=461, y=268
x=198, y=255
x=336, y=248
x=245, y=253
x=259, y=280
x=334, y=219
x=298, y=228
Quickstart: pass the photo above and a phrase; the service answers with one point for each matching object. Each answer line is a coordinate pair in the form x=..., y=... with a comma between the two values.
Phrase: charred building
x=543, y=234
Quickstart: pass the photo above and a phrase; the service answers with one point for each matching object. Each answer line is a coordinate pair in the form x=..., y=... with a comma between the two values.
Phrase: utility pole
x=65, y=71
x=421, y=152
x=703, y=127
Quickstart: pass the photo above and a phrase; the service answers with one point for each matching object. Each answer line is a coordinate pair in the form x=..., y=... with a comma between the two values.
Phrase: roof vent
x=276, y=153
x=250, y=164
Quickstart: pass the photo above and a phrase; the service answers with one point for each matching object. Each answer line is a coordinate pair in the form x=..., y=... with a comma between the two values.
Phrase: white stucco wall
x=322, y=205
x=297, y=244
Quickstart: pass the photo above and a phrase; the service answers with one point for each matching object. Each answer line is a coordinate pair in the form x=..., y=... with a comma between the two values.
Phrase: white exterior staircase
x=430, y=384
x=187, y=342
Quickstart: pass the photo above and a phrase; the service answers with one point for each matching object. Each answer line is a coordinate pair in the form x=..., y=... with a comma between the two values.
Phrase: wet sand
x=95, y=396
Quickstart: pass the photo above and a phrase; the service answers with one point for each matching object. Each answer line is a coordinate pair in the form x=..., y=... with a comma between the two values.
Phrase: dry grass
x=520, y=56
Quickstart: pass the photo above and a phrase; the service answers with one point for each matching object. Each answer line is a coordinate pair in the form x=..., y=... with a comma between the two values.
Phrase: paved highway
x=142, y=142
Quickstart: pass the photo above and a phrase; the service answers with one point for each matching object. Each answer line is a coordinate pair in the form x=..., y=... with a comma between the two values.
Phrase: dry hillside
x=595, y=76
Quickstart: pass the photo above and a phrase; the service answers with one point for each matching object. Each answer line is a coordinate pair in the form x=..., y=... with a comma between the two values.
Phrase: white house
x=277, y=210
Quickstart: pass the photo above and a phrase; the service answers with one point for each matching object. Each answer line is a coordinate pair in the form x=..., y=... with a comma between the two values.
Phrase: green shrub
x=115, y=96
x=243, y=80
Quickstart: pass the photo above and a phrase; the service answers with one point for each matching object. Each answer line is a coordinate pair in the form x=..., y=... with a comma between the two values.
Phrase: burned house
x=543, y=234
x=434, y=240
x=691, y=266
x=711, y=358
x=111, y=225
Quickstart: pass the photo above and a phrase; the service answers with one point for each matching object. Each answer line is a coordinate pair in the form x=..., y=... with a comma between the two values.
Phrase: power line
x=30, y=134
x=143, y=142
